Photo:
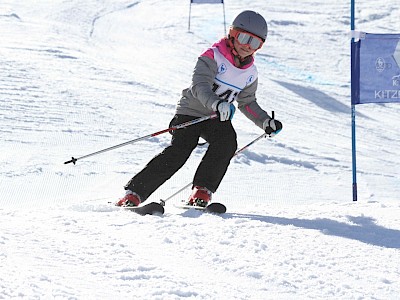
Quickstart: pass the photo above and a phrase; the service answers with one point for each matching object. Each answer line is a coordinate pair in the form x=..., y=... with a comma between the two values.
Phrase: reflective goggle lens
x=248, y=39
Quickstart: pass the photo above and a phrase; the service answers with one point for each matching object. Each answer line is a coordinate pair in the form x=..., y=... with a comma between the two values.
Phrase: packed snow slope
x=81, y=76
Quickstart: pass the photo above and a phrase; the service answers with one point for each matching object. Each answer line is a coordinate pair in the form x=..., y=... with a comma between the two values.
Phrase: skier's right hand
x=224, y=110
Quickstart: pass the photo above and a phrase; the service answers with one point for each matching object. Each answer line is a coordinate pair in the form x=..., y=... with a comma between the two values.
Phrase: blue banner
x=376, y=69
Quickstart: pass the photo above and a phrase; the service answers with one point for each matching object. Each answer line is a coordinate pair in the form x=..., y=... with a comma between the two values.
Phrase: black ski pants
x=221, y=138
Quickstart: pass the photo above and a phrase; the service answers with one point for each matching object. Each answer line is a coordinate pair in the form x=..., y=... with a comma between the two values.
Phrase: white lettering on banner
x=387, y=94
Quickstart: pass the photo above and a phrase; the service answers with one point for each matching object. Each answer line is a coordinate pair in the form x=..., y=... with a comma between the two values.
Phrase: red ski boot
x=200, y=196
x=130, y=199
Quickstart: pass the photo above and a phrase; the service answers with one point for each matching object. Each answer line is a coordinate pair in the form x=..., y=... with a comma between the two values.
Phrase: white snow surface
x=80, y=76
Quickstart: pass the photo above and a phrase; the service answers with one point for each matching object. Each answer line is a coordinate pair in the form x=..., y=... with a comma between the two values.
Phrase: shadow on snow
x=363, y=228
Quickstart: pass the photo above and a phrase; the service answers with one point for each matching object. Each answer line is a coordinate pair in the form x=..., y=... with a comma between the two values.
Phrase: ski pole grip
x=73, y=160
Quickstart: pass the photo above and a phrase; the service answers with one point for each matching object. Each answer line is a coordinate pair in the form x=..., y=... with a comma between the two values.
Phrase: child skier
x=223, y=73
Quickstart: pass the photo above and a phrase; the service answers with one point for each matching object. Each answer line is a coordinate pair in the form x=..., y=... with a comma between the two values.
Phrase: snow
x=78, y=77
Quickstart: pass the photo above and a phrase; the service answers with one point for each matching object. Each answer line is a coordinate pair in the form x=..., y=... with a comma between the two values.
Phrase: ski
x=213, y=208
x=151, y=208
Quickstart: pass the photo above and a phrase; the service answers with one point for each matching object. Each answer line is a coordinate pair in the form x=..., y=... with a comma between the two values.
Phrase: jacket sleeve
x=247, y=104
x=203, y=80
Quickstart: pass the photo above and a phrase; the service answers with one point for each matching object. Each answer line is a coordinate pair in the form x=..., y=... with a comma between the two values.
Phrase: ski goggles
x=247, y=38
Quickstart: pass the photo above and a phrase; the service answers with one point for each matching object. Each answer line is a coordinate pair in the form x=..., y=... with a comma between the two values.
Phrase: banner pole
x=353, y=110
x=190, y=14
x=223, y=8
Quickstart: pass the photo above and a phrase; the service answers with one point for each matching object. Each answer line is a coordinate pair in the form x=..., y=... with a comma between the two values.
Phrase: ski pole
x=179, y=126
x=162, y=202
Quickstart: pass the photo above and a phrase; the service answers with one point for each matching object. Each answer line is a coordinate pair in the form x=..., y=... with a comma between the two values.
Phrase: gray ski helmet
x=252, y=22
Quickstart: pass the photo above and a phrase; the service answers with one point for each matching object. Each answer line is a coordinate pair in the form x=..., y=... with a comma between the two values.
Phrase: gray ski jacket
x=197, y=100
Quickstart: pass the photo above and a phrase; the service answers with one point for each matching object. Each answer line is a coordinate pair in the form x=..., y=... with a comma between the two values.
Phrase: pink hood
x=225, y=50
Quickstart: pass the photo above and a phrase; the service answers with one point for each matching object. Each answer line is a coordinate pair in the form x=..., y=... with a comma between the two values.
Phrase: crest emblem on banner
x=380, y=64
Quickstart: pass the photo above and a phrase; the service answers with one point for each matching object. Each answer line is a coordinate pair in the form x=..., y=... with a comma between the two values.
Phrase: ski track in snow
x=80, y=77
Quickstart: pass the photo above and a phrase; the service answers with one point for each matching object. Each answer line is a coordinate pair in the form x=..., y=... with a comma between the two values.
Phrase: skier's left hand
x=272, y=127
